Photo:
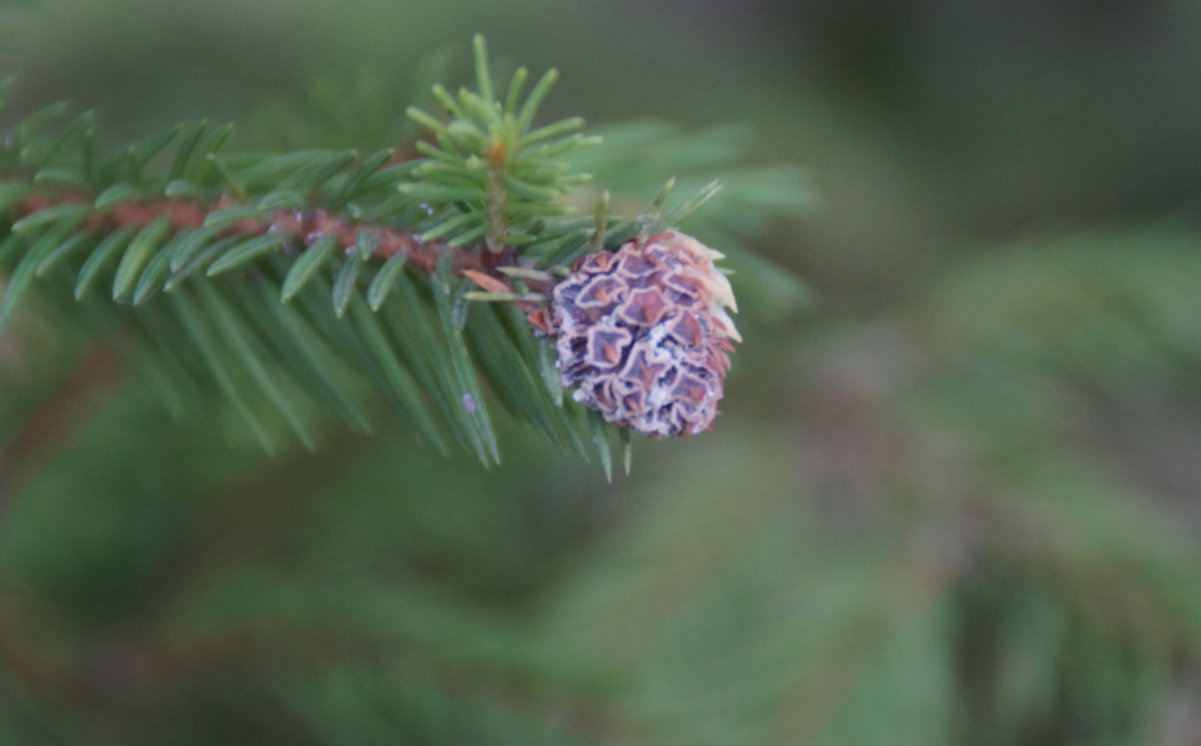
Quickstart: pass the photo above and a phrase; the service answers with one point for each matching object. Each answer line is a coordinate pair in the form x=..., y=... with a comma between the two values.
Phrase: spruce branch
x=295, y=283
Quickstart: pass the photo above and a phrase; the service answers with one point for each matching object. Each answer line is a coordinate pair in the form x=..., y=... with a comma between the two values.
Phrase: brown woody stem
x=306, y=227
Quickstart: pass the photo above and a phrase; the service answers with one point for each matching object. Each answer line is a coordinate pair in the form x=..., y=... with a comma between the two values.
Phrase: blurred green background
x=955, y=500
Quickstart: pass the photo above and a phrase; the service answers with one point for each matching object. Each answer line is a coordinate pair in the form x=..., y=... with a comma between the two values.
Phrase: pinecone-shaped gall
x=644, y=334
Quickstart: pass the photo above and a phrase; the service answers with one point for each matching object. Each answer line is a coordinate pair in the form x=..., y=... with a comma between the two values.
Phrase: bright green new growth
x=297, y=284
x=490, y=176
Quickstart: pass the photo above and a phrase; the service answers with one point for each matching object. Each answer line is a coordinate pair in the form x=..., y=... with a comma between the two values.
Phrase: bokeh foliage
x=956, y=501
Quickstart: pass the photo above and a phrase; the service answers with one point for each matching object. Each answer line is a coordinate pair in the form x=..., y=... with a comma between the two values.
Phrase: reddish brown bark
x=306, y=227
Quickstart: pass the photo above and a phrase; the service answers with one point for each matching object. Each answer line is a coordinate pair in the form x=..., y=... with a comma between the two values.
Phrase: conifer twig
x=291, y=283
x=303, y=228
